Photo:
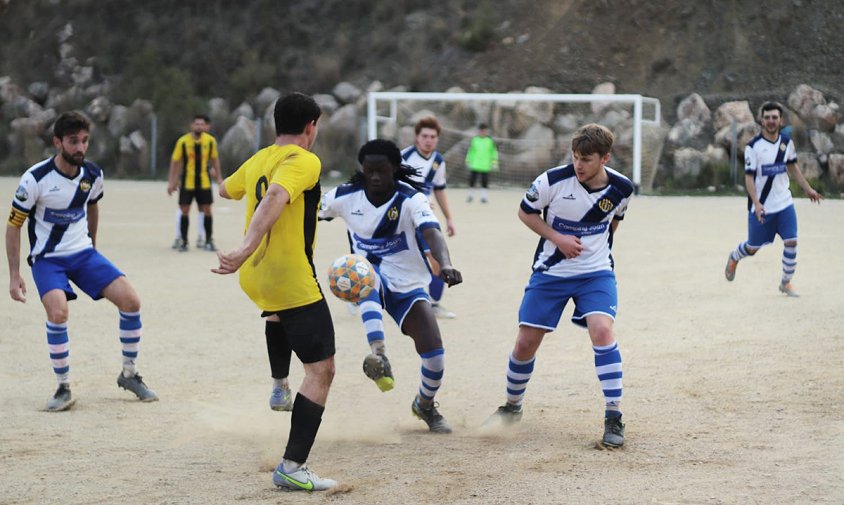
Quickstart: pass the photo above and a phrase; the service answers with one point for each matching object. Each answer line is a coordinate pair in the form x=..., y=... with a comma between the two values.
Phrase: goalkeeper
x=481, y=159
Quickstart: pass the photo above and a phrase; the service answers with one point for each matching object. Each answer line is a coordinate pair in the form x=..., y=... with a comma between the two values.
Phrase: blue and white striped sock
x=518, y=375
x=130, y=340
x=59, y=346
x=373, y=321
x=608, y=368
x=433, y=365
x=789, y=263
x=740, y=252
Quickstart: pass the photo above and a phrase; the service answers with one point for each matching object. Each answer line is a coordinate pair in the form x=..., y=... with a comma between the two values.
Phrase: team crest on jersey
x=605, y=204
x=21, y=194
x=782, y=147
x=393, y=213
x=435, y=165
x=532, y=194
x=85, y=185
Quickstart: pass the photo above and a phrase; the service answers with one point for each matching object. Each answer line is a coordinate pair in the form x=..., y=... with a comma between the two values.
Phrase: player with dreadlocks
x=386, y=214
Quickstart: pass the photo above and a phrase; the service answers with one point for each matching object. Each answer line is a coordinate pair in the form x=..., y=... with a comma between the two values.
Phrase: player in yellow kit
x=281, y=186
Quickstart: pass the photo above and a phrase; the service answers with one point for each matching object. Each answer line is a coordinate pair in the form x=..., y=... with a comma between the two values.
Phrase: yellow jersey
x=195, y=155
x=280, y=273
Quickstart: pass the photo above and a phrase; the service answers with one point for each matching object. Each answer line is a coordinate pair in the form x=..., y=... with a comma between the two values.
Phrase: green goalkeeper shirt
x=482, y=155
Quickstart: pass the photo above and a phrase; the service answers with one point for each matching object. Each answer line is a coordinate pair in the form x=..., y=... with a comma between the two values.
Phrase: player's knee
x=57, y=315
x=790, y=243
x=602, y=336
x=752, y=250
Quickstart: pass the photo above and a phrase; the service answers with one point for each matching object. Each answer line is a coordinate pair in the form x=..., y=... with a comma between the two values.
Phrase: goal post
x=385, y=108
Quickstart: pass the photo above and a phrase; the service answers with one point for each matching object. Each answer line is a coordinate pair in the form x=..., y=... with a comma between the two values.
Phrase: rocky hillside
x=176, y=57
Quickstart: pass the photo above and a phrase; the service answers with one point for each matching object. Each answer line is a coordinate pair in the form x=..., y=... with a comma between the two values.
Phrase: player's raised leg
x=519, y=370
x=376, y=366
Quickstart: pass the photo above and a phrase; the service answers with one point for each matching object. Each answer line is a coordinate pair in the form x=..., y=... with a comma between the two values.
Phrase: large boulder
x=694, y=108
x=804, y=99
x=821, y=142
x=99, y=109
x=238, y=144
x=825, y=117
x=744, y=133
x=266, y=98
x=836, y=169
x=809, y=165
x=738, y=111
x=688, y=163
x=346, y=92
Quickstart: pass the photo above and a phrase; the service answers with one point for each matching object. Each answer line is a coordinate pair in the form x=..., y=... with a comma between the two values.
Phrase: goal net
x=532, y=131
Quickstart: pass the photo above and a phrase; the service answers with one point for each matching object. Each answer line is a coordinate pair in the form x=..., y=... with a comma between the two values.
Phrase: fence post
x=153, y=141
x=733, y=152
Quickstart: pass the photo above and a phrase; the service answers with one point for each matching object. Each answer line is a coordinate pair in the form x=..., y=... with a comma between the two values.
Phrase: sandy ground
x=731, y=390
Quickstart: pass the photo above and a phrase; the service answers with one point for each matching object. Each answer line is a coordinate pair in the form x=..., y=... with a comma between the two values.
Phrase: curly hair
x=386, y=148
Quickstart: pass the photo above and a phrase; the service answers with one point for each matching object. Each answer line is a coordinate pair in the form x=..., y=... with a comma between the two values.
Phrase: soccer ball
x=351, y=278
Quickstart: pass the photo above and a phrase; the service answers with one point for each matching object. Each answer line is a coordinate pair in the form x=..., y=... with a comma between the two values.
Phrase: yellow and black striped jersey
x=195, y=156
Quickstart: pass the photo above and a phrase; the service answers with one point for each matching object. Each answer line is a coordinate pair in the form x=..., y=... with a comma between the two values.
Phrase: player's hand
x=17, y=290
x=760, y=213
x=814, y=196
x=229, y=262
x=451, y=276
x=569, y=245
x=170, y=189
x=449, y=227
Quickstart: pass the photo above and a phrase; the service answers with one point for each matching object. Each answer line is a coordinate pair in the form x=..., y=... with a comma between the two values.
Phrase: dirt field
x=731, y=390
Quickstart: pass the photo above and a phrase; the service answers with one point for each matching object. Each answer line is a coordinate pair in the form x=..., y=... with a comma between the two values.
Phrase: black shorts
x=203, y=196
x=309, y=330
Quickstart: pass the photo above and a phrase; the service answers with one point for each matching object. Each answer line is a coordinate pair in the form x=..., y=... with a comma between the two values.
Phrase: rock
x=809, y=165
x=346, y=118
x=605, y=88
x=688, y=163
x=244, y=110
x=744, y=133
x=729, y=111
x=39, y=91
x=825, y=117
x=327, y=103
x=684, y=131
x=99, y=109
x=821, y=142
x=238, y=144
x=836, y=169
x=804, y=99
x=267, y=97
x=346, y=92
x=694, y=108
x=118, y=121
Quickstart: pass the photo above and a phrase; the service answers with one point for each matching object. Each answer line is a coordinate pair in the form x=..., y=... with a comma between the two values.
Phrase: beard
x=74, y=159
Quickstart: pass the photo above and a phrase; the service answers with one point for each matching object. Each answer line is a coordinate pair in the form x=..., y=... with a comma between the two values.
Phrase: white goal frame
x=638, y=101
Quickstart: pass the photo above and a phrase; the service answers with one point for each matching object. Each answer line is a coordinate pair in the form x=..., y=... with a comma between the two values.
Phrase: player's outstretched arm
x=267, y=213
x=439, y=250
x=17, y=286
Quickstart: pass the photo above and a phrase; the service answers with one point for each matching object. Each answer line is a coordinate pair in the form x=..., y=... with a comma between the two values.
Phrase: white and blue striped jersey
x=388, y=235
x=57, y=207
x=431, y=169
x=767, y=162
x=571, y=208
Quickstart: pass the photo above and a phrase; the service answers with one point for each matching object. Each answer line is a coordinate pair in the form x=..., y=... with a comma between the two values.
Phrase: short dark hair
x=293, y=112
x=69, y=123
x=483, y=126
x=428, y=122
x=592, y=138
x=203, y=117
x=770, y=106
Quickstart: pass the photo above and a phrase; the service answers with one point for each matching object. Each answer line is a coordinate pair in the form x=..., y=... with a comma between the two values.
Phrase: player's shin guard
x=373, y=321
x=433, y=365
x=608, y=368
x=740, y=252
x=789, y=263
x=208, y=223
x=436, y=288
x=278, y=349
x=184, y=221
x=304, y=425
x=518, y=375
x=59, y=346
x=130, y=340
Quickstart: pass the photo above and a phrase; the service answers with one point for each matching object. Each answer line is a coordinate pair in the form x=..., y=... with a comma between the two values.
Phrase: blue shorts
x=398, y=304
x=782, y=223
x=546, y=296
x=88, y=269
